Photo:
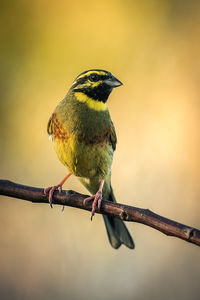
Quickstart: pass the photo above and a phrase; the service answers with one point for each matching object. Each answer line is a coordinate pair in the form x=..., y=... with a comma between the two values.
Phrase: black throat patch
x=99, y=93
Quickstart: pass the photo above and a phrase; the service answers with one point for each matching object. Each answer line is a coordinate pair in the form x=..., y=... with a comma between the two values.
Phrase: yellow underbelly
x=83, y=160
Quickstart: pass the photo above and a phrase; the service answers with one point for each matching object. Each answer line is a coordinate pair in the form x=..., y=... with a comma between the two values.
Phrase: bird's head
x=95, y=84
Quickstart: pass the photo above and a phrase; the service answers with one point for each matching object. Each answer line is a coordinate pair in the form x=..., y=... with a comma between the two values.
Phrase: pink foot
x=97, y=199
x=96, y=202
x=51, y=190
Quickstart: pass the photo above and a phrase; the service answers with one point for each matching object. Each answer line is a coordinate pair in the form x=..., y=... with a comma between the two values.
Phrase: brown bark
x=121, y=211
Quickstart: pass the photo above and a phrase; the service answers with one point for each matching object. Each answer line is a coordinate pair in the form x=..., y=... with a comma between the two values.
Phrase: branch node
x=124, y=215
x=191, y=233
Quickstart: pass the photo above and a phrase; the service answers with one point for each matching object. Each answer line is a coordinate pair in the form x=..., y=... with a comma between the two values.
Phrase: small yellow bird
x=84, y=139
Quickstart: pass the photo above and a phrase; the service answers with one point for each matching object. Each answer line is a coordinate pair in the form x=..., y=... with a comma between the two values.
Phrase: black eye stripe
x=100, y=77
x=94, y=77
x=80, y=81
x=84, y=79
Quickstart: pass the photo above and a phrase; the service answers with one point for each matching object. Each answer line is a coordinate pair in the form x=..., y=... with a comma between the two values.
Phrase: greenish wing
x=50, y=127
x=113, y=137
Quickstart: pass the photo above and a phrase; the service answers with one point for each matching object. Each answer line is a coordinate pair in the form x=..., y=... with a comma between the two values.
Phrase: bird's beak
x=113, y=82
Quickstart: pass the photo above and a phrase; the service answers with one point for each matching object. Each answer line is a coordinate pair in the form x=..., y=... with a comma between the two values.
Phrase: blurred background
x=153, y=47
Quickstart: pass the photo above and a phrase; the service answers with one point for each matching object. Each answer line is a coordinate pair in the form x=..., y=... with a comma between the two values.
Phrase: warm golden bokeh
x=153, y=48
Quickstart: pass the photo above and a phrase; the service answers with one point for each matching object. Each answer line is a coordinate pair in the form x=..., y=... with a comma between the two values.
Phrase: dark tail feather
x=116, y=229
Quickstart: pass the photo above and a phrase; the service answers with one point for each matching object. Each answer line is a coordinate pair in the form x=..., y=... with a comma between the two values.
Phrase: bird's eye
x=94, y=77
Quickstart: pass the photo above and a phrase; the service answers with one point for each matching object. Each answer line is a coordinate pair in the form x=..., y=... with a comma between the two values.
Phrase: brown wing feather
x=55, y=128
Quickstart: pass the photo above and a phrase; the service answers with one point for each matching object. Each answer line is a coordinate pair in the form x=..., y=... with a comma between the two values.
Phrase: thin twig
x=121, y=211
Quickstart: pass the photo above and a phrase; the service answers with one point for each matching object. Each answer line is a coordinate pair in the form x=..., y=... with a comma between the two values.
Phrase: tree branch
x=121, y=211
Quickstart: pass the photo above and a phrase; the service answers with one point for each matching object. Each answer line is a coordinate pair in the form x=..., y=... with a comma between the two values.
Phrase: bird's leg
x=58, y=187
x=97, y=199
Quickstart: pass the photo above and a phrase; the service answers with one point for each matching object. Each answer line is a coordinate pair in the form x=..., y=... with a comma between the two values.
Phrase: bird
x=84, y=139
